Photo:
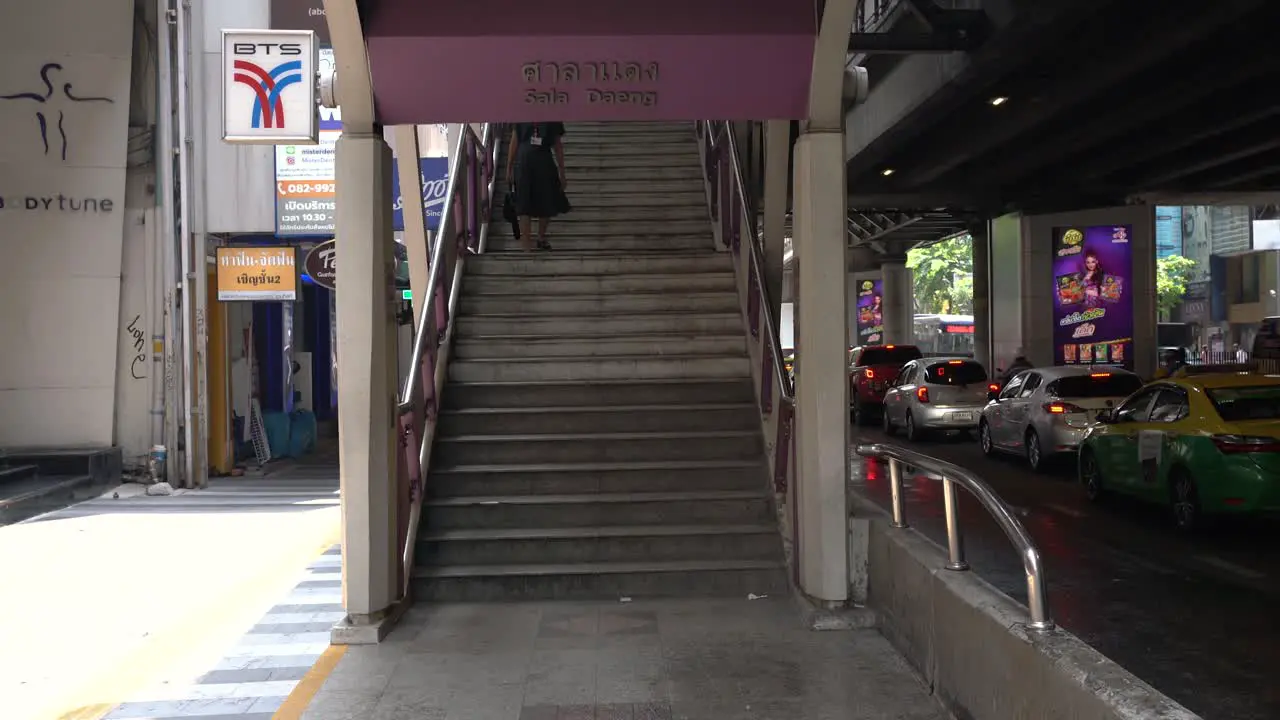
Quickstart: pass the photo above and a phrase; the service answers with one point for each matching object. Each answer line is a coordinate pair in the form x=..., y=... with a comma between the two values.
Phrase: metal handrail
x=757, y=258
x=951, y=474
x=411, y=383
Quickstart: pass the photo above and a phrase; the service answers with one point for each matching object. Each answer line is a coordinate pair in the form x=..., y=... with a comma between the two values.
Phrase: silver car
x=1044, y=412
x=936, y=394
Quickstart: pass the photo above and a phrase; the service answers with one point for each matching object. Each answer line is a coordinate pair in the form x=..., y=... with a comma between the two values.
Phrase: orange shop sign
x=257, y=273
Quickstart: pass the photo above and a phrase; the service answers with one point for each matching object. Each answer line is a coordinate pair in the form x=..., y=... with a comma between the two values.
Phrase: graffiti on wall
x=136, y=339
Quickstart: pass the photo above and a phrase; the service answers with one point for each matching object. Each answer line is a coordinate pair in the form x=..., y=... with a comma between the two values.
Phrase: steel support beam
x=1088, y=79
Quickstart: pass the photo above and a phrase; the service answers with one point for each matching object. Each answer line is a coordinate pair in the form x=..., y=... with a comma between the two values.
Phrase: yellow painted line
x=210, y=625
x=309, y=685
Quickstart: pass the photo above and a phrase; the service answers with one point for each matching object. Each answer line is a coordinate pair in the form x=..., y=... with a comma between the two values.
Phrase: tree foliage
x=943, y=276
x=1172, y=274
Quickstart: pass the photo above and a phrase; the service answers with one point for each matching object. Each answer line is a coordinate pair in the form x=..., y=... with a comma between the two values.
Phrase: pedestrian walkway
x=646, y=660
x=255, y=677
x=127, y=592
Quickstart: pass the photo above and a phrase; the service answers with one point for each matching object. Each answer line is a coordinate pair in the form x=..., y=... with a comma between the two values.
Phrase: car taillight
x=1062, y=408
x=1246, y=444
x=993, y=387
x=922, y=394
x=871, y=374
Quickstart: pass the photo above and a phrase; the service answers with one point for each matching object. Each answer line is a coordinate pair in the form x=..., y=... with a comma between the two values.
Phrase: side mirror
x=993, y=396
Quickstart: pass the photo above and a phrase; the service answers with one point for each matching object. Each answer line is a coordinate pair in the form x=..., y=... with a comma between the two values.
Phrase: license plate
x=962, y=417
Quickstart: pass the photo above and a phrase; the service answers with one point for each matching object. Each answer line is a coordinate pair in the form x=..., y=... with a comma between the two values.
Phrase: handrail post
x=895, y=492
x=955, y=543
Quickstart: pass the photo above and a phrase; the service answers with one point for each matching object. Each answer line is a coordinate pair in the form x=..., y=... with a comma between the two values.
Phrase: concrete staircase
x=600, y=436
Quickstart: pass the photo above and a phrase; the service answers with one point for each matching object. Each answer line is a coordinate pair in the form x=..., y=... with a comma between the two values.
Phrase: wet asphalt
x=1197, y=617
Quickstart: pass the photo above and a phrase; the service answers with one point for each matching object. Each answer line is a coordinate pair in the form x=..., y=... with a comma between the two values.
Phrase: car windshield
x=1098, y=385
x=956, y=373
x=1260, y=402
x=888, y=356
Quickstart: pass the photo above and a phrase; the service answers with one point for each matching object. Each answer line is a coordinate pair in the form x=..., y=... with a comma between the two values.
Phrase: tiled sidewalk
x=647, y=660
x=253, y=679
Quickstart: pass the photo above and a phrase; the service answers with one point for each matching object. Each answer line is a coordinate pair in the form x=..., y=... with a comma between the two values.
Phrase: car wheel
x=887, y=424
x=1186, y=501
x=913, y=433
x=1091, y=476
x=984, y=437
x=859, y=415
x=1035, y=454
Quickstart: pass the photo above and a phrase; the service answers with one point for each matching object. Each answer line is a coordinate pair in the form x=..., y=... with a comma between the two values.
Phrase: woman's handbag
x=509, y=211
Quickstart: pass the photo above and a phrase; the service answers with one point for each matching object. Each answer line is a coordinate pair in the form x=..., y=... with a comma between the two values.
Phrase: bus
x=944, y=335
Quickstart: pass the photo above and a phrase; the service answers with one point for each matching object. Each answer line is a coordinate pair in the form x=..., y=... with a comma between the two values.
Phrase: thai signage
x=269, y=86
x=596, y=83
x=257, y=273
x=306, y=191
x=1093, y=306
x=321, y=264
x=870, y=309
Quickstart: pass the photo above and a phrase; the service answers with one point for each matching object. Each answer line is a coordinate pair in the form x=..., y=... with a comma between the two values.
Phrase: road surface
x=1196, y=617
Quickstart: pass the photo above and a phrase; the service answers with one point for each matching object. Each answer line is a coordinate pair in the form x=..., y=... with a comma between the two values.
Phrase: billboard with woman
x=870, y=312
x=1093, y=308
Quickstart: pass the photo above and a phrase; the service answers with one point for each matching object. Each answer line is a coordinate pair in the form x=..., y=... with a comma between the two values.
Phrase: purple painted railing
x=463, y=231
x=737, y=222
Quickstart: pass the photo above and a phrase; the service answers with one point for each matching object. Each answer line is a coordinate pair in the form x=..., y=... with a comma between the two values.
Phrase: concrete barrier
x=971, y=643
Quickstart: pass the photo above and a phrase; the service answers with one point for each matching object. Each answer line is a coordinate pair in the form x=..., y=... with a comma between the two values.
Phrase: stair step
x=585, y=478
x=631, y=197
x=723, y=507
x=556, y=264
x=610, y=419
x=633, y=144
x=639, y=211
x=504, y=241
x=635, y=227
x=513, y=347
x=597, y=447
x=585, y=545
x=628, y=392
x=569, y=326
x=718, y=302
x=596, y=284
x=583, y=175
x=676, y=162
x=587, y=581
x=16, y=473
x=637, y=182
x=602, y=367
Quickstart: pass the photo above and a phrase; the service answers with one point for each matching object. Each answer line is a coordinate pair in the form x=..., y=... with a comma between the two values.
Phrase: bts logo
x=267, y=84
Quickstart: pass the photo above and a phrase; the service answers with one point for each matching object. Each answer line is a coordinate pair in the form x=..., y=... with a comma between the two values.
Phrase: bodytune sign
x=269, y=86
x=257, y=273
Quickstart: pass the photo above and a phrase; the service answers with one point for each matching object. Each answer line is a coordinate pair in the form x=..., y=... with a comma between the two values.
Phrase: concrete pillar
x=1005, y=290
x=822, y=390
x=777, y=163
x=899, y=303
x=366, y=387
x=981, y=234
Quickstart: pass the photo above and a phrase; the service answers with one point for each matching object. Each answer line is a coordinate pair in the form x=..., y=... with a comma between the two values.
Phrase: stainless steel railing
x=952, y=474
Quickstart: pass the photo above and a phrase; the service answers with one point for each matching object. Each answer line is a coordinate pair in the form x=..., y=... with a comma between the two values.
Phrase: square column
x=980, y=232
x=367, y=388
x=822, y=386
x=899, y=303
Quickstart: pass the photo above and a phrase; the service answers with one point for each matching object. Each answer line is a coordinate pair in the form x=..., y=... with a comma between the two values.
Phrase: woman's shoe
x=544, y=245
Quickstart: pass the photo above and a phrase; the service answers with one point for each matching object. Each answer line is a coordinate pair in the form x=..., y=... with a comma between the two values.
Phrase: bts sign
x=269, y=87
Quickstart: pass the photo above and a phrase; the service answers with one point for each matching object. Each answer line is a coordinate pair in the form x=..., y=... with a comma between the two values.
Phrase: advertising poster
x=306, y=194
x=870, y=312
x=433, y=146
x=1093, y=305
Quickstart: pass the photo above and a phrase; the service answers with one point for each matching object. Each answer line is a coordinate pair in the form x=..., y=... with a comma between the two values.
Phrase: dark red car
x=871, y=368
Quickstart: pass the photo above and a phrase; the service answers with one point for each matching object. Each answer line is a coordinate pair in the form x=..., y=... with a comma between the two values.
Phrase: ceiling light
x=887, y=172
x=998, y=101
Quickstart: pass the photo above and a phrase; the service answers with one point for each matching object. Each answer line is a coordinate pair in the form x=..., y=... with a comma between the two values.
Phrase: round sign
x=321, y=264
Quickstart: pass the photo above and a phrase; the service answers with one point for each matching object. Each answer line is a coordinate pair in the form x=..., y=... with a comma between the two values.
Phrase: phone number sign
x=306, y=192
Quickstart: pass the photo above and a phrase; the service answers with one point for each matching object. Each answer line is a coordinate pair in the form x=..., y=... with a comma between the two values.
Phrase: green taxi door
x=1118, y=447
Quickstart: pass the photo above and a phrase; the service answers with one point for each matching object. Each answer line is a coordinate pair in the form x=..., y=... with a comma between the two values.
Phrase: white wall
x=139, y=369
x=60, y=279
x=240, y=181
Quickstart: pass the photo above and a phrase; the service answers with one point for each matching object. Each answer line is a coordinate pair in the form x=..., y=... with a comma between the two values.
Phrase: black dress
x=538, y=191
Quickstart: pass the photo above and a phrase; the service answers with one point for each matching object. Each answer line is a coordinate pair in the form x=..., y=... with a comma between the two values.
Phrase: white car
x=936, y=394
x=1044, y=412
